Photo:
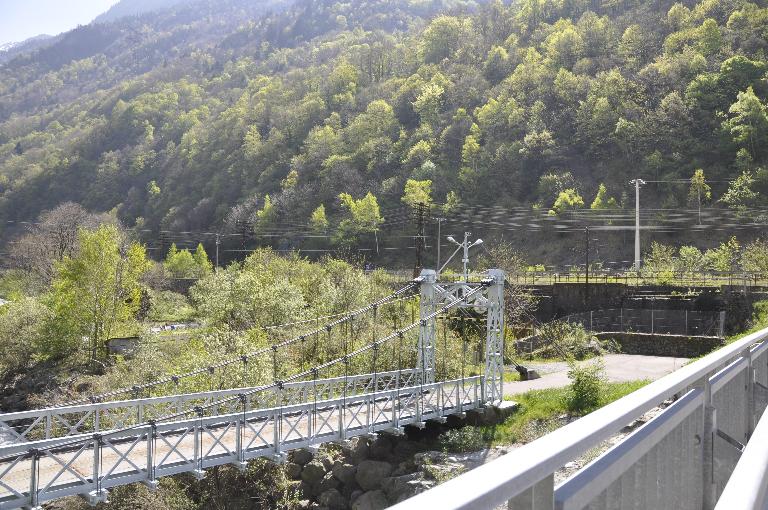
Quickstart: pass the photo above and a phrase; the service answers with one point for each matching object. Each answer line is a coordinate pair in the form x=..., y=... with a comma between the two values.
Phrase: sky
x=22, y=19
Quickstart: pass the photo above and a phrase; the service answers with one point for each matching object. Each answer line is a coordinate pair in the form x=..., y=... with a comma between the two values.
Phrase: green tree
x=364, y=217
x=755, y=257
x=567, y=200
x=660, y=263
x=98, y=288
x=699, y=190
x=318, y=220
x=180, y=263
x=740, y=194
x=748, y=123
x=725, y=257
x=496, y=66
x=602, y=200
x=267, y=215
x=417, y=192
x=429, y=102
x=23, y=333
x=201, y=259
x=442, y=38
x=692, y=260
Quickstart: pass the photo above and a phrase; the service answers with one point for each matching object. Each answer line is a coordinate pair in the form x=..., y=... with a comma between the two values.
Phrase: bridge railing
x=89, y=464
x=681, y=458
x=748, y=486
x=53, y=422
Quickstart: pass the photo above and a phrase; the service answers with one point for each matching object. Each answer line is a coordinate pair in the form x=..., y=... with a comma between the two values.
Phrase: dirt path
x=618, y=368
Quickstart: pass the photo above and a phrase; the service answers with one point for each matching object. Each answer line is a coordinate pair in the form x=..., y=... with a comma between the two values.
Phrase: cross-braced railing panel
x=91, y=418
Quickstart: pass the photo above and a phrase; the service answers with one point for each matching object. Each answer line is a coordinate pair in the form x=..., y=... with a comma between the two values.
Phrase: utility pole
x=421, y=210
x=636, y=265
x=163, y=244
x=218, y=242
x=439, y=223
x=586, y=264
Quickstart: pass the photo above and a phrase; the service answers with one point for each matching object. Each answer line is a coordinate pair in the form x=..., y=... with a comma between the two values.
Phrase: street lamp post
x=466, y=245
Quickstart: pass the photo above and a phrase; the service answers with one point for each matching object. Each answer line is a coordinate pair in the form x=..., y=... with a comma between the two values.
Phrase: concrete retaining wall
x=680, y=346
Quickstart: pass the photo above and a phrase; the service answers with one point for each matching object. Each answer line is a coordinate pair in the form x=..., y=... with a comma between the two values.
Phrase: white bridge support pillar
x=494, y=339
x=427, y=327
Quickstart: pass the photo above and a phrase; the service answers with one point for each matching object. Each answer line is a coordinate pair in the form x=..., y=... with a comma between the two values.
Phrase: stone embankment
x=375, y=472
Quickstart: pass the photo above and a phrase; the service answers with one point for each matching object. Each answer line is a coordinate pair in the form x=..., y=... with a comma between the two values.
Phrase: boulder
x=396, y=486
x=359, y=450
x=405, y=449
x=302, y=457
x=305, y=489
x=345, y=473
x=313, y=472
x=355, y=494
x=293, y=470
x=371, y=500
x=381, y=448
x=327, y=463
x=327, y=483
x=370, y=474
x=332, y=499
x=431, y=457
x=417, y=487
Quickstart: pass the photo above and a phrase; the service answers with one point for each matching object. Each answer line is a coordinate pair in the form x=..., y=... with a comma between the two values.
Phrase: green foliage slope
x=266, y=111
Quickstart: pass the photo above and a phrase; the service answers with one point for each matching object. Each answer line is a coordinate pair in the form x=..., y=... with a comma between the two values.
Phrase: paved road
x=618, y=368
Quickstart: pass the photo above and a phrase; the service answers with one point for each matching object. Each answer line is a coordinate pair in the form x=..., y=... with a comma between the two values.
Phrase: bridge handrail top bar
x=113, y=404
x=10, y=451
x=747, y=488
x=500, y=480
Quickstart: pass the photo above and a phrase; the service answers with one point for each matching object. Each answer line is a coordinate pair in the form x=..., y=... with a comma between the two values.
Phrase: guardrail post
x=278, y=420
x=98, y=495
x=749, y=389
x=151, y=481
x=239, y=424
x=33, y=479
x=708, y=448
x=539, y=497
x=198, y=431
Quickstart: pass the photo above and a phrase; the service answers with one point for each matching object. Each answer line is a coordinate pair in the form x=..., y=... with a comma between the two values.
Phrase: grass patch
x=542, y=411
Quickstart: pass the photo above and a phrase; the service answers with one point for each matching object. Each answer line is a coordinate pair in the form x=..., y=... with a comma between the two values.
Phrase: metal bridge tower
x=491, y=300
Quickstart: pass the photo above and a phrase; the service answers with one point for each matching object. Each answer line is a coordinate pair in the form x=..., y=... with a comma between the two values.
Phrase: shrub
x=465, y=439
x=585, y=392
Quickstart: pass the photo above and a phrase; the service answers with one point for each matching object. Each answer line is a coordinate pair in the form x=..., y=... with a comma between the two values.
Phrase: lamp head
x=478, y=242
x=451, y=239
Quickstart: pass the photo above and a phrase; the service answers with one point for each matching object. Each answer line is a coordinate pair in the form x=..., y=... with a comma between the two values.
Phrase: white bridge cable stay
x=175, y=378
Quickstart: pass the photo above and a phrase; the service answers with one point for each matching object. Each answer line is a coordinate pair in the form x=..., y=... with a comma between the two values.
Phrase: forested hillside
x=289, y=115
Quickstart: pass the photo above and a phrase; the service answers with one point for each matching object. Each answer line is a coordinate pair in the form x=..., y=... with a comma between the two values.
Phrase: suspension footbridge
x=87, y=447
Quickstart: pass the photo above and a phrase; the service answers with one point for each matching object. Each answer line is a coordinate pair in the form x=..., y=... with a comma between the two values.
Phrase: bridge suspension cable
x=241, y=397
x=176, y=378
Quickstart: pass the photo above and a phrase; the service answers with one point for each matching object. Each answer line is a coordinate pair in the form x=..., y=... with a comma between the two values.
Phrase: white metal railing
x=53, y=422
x=680, y=459
x=748, y=486
x=89, y=464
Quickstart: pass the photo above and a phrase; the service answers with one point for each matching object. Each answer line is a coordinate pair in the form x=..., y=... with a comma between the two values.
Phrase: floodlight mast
x=464, y=245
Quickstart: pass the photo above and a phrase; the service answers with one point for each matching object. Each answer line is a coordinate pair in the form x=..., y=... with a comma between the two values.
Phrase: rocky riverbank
x=377, y=471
